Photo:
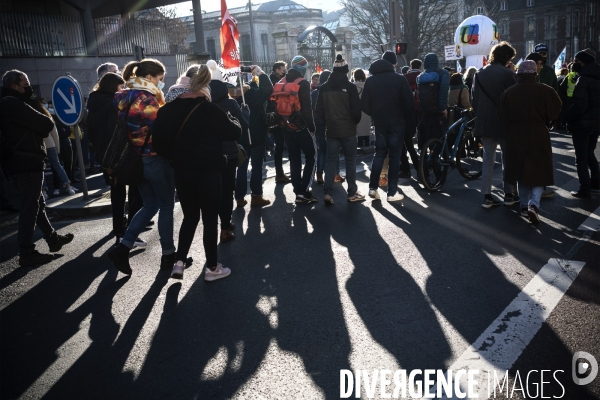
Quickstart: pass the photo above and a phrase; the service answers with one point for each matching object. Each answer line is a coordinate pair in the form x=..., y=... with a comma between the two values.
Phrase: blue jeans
x=56, y=167
x=322, y=155
x=348, y=145
x=529, y=195
x=157, y=189
x=388, y=139
x=257, y=156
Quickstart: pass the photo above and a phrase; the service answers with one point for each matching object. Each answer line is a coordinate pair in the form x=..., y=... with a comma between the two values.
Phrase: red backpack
x=287, y=104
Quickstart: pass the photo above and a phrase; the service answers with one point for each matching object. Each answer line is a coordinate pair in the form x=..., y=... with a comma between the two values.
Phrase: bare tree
x=176, y=29
x=426, y=25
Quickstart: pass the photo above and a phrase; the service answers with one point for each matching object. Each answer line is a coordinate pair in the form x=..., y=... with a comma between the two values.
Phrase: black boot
x=120, y=256
x=56, y=242
x=167, y=261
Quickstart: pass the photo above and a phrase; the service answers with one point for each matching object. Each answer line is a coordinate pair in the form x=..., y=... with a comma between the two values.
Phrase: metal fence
x=182, y=63
x=116, y=36
x=41, y=35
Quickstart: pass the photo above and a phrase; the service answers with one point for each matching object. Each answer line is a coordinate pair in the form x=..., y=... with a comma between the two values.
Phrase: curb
x=74, y=206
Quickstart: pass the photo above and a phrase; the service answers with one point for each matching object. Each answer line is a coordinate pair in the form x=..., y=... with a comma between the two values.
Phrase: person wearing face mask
x=22, y=154
x=583, y=121
x=279, y=70
x=546, y=73
x=139, y=104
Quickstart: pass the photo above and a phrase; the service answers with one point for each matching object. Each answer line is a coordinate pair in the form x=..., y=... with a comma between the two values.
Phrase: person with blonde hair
x=190, y=132
x=138, y=105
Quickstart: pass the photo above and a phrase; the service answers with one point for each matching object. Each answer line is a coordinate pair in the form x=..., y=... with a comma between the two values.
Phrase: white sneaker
x=56, y=192
x=45, y=194
x=74, y=189
x=397, y=197
x=138, y=243
x=178, y=268
x=218, y=273
x=71, y=191
x=374, y=194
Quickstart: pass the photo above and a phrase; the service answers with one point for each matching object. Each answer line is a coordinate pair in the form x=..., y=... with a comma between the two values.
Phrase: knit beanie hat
x=390, y=56
x=527, y=67
x=541, y=47
x=300, y=64
x=587, y=56
x=214, y=70
x=405, y=69
x=340, y=65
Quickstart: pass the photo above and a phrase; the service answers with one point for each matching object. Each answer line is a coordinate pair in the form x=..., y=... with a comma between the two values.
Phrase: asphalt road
x=315, y=289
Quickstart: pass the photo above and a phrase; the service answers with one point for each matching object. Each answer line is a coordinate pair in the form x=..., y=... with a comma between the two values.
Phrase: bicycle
x=466, y=155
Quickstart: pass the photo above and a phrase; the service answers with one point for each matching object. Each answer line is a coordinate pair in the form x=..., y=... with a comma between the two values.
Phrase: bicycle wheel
x=469, y=157
x=433, y=165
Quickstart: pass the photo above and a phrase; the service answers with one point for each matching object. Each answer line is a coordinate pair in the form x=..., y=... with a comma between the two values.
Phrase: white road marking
x=497, y=349
x=592, y=223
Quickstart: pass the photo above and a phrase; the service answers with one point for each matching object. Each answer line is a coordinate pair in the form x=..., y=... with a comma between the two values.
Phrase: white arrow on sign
x=71, y=109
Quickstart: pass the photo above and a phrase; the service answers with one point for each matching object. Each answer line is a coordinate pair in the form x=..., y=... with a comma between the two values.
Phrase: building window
x=529, y=3
x=246, y=48
x=530, y=24
x=479, y=11
x=264, y=41
x=503, y=5
x=529, y=46
x=503, y=28
x=211, y=49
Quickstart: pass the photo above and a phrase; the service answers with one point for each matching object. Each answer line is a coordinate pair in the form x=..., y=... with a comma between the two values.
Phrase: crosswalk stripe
x=592, y=223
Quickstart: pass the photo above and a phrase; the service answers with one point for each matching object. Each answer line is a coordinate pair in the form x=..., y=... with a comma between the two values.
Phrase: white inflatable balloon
x=476, y=36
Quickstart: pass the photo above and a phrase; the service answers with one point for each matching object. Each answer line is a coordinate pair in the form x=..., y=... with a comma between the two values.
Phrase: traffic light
x=401, y=48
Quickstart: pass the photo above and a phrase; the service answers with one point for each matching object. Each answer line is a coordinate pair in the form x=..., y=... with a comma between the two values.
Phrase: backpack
x=287, y=104
x=412, y=82
x=428, y=88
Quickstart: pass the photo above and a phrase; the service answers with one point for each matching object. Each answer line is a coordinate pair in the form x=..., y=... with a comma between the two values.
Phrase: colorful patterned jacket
x=140, y=118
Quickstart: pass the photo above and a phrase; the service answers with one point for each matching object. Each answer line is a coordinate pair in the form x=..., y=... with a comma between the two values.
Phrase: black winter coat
x=584, y=113
x=314, y=95
x=199, y=147
x=387, y=96
x=338, y=105
x=23, y=131
x=101, y=120
x=304, y=96
x=256, y=98
x=220, y=96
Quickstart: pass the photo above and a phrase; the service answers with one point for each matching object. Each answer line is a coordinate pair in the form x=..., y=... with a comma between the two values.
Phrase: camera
x=245, y=69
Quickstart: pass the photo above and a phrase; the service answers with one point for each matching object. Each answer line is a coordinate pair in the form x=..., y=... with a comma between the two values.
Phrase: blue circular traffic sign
x=67, y=100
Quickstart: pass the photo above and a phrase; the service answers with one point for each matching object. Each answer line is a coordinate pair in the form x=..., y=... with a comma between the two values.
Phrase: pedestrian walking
x=256, y=97
x=220, y=97
x=338, y=105
x=189, y=131
x=278, y=72
x=411, y=76
x=457, y=96
x=488, y=85
x=523, y=110
x=387, y=98
x=102, y=120
x=546, y=73
x=138, y=104
x=364, y=126
x=303, y=139
x=22, y=155
x=583, y=121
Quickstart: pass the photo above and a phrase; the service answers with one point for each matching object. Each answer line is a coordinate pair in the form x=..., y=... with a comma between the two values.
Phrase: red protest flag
x=319, y=69
x=229, y=39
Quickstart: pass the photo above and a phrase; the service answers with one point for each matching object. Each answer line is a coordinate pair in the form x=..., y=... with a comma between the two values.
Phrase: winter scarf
x=144, y=84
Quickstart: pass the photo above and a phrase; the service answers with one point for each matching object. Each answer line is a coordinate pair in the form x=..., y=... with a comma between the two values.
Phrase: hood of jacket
x=98, y=99
x=324, y=76
x=592, y=70
x=337, y=80
x=431, y=62
x=218, y=91
x=380, y=66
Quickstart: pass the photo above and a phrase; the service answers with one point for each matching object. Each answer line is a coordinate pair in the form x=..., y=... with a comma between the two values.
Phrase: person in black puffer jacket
x=196, y=153
x=220, y=96
x=101, y=121
x=256, y=98
x=23, y=130
x=583, y=121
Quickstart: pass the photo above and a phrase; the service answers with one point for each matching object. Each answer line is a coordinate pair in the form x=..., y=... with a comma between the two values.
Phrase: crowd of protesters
x=201, y=137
